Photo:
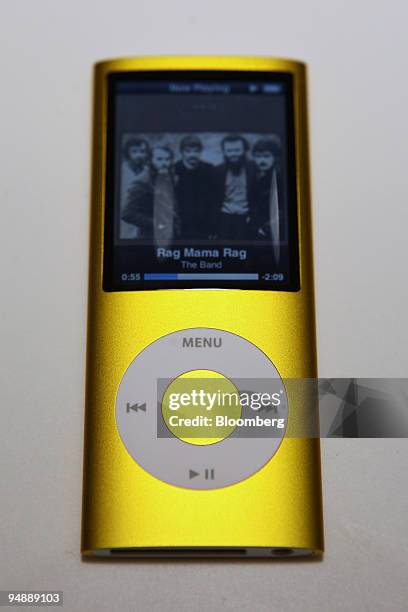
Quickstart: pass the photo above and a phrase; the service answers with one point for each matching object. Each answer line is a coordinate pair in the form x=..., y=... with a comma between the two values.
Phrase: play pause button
x=209, y=474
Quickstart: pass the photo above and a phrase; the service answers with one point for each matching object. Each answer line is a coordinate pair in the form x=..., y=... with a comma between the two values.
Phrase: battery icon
x=272, y=88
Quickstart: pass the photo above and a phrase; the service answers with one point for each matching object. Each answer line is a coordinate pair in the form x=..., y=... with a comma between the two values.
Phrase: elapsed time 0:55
x=131, y=276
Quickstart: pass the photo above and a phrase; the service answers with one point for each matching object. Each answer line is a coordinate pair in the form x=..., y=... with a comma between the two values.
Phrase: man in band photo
x=151, y=204
x=194, y=190
x=136, y=156
x=267, y=218
x=234, y=186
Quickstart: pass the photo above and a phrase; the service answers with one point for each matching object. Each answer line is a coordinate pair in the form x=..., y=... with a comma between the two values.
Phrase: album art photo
x=200, y=187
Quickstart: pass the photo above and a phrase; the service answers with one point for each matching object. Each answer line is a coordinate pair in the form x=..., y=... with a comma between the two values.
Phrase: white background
x=356, y=51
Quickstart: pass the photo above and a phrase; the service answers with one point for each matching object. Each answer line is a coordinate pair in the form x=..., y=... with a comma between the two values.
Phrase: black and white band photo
x=201, y=187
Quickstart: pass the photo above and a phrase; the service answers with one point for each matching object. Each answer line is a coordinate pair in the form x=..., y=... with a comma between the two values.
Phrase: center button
x=197, y=407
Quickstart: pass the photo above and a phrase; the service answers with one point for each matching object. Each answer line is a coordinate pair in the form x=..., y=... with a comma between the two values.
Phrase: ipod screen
x=201, y=182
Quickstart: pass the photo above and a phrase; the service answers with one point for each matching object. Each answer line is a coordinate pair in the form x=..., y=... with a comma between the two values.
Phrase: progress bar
x=204, y=276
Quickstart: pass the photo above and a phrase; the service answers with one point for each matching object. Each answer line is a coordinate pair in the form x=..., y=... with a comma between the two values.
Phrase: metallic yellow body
x=124, y=506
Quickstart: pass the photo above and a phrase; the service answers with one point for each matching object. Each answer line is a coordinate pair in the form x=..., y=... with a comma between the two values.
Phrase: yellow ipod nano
x=201, y=309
